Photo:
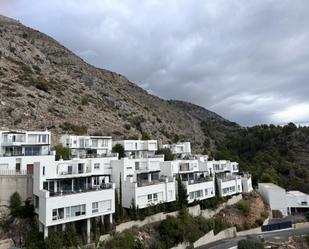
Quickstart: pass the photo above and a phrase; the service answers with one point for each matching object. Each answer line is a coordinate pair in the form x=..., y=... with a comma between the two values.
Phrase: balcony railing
x=95, y=188
x=11, y=172
x=96, y=155
x=229, y=178
x=200, y=180
x=23, y=154
x=153, y=182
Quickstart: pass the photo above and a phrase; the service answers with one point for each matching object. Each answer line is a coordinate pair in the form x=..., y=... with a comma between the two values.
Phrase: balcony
x=91, y=189
x=200, y=180
x=144, y=183
x=230, y=178
x=96, y=155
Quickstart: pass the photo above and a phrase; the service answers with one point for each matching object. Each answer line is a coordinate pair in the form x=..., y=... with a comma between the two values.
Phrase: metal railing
x=200, y=180
x=11, y=172
x=103, y=186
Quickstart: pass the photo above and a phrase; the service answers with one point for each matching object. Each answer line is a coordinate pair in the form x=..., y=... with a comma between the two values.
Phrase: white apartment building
x=138, y=148
x=197, y=179
x=73, y=190
x=20, y=149
x=87, y=146
x=229, y=181
x=142, y=181
x=179, y=149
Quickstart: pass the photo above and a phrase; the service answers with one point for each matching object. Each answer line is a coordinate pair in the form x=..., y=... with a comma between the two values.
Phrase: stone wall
x=22, y=184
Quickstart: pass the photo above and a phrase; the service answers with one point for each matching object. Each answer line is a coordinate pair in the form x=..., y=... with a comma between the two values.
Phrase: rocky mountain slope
x=44, y=85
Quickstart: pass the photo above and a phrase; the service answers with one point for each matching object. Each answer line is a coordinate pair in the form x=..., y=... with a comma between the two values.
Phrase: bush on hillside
x=249, y=244
x=245, y=207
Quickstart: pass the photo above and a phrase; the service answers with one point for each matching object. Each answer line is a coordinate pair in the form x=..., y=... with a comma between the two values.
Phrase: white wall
x=274, y=196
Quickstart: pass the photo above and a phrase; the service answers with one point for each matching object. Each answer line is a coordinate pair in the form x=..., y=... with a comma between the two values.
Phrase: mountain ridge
x=45, y=85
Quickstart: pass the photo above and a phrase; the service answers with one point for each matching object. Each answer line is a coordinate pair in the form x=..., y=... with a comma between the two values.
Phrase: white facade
x=246, y=182
x=274, y=196
x=229, y=180
x=87, y=146
x=20, y=149
x=297, y=202
x=183, y=148
x=198, y=181
x=78, y=189
x=143, y=183
x=138, y=148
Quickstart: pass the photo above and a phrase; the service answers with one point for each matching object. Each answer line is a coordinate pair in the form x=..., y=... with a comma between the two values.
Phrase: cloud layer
x=246, y=60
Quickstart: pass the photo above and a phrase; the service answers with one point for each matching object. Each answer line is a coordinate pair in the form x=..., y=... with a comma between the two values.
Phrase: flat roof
x=270, y=185
x=296, y=193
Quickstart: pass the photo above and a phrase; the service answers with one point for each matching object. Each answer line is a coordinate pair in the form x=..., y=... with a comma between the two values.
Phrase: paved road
x=276, y=236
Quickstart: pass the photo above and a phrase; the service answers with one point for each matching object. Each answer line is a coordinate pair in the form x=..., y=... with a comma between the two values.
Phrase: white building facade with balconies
x=20, y=149
x=142, y=181
x=87, y=146
x=73, y=190
x=199, y=182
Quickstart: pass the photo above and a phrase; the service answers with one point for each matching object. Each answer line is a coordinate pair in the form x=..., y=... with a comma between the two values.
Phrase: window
x=152, y=197
x=45, y=185
x=155, y=197
x=43, y=170
x=44, y=139
x=196, y=194
x=96, y=180
x=149, y=198
x=97, y=166
x=95, y=207
x=58, y=214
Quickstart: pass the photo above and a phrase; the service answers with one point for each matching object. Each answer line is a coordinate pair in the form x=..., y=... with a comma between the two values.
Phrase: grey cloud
x=246, y=60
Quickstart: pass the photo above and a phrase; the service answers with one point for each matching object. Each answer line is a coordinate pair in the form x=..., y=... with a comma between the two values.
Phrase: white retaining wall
x=194, y=211
x=210, y=237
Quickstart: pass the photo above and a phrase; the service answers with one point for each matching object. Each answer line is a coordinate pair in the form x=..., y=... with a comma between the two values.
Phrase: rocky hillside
x=44, y=85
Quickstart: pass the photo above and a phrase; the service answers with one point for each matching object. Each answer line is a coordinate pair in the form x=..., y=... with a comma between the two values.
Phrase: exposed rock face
x=44, y=85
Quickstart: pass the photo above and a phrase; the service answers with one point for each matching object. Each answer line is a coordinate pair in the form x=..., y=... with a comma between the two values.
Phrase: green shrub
x=42, y=85
x=35, y=240
x=171, y=231
x=15, y=204
x=168, y=155
x=55, y=240
x=245, y=207
x=84, y=101
x=249, y=244
x=118, y=148
x=62, y=152
x=145, y=136
x=76, y=129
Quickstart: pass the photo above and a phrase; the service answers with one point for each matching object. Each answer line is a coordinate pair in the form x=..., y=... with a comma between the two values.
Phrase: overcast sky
x=247, y=60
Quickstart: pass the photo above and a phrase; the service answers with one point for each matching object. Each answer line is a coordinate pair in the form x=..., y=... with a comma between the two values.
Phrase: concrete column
x=63, y=226
x=45, y=232
x=149, y=177
x=88, y=230
x=55, y=186
x=111, y=218
x=41, y=227
x=102, y=219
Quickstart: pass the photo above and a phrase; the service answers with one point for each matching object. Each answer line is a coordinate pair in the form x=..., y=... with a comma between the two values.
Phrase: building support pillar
x=63, y=227
x=110, y=218
x=149, y=177
x=102, y=219
x=45, y=232
x=88, y=230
